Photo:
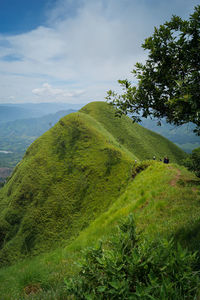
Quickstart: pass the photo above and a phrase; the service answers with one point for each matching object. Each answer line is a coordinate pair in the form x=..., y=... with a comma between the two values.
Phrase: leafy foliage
x=193, y=162
x=168, y=83
x=133, y=270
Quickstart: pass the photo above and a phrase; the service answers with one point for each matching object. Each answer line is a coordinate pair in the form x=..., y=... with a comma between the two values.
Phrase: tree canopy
x=169, y=81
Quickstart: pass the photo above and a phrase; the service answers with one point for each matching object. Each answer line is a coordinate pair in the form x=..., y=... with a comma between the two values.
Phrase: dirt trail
x=176, y=178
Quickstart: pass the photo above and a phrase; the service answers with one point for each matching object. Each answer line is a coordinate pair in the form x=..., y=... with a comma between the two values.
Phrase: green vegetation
x=168, y=82
x=192, y=162
x=143, y=144
x=130, y=269
x=165, y=201
x=56, y=189
x=74, y=185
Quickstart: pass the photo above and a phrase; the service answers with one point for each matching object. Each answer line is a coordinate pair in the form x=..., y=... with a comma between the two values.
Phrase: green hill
x=73, y=186
x=69, y=176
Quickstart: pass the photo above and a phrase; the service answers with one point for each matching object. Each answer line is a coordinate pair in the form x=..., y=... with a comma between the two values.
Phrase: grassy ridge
x=165, y=201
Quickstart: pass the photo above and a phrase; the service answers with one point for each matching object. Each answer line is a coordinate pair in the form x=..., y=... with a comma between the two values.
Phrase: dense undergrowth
x=130, y=269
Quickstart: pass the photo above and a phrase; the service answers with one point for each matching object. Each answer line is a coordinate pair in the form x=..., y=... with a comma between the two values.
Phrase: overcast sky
x=75, y=50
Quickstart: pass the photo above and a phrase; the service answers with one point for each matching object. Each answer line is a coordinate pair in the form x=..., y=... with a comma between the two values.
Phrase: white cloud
x=86, y=45
x=54, y=93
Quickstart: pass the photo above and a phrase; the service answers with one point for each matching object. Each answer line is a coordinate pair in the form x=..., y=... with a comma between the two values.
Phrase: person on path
x=166, y=160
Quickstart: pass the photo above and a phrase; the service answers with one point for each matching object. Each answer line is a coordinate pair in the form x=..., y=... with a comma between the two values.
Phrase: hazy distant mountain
x=32, y=127
x=12, y=112
x=183, y=136
x=17, y=135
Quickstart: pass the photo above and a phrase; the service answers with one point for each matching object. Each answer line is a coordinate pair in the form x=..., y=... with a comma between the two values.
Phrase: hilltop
x=141, y=142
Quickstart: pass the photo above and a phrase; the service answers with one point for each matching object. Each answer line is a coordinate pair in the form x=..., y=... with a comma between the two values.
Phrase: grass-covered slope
x=71, y=175
x=165, y=202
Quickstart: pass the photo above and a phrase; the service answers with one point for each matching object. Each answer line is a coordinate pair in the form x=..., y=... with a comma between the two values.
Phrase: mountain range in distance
x=12, y=112
x=183, y=136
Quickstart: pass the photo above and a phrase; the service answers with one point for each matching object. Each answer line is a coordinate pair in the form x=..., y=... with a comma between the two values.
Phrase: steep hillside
x=71, y=175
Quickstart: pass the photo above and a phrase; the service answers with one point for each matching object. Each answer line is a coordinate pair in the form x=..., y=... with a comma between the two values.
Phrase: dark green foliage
x=2, y=182
x=193, y=162
x=131, y=269
x=75, y=133
x=168, y=83
x=4, y=230
x=139, y=167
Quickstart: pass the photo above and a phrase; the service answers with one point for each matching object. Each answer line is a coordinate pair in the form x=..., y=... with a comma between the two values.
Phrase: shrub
x=131, y=269
x=193, y=162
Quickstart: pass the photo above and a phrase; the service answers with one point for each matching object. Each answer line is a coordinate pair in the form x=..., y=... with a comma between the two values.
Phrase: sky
x=74, y=51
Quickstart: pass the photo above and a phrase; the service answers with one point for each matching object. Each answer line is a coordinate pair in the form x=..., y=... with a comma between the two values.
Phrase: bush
x=131, y=269
x=193, y=162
